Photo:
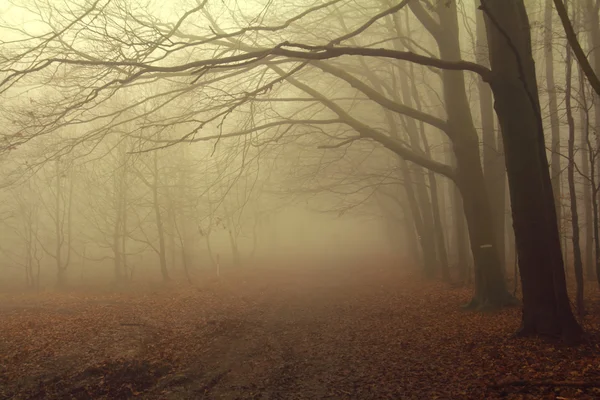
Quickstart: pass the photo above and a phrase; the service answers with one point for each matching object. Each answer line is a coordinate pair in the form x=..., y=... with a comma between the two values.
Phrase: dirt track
x=312, y=333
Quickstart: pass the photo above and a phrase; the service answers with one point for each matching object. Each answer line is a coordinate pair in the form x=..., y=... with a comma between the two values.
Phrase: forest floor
x=298, y=333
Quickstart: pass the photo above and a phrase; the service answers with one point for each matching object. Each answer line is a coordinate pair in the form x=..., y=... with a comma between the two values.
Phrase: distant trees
x=60, y=211
x=263, y=83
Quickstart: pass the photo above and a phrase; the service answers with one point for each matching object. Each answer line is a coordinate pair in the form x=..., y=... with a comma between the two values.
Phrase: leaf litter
x=296, y=333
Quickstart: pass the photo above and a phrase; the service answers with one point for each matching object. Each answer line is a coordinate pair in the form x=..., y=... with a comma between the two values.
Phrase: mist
x=322, y=199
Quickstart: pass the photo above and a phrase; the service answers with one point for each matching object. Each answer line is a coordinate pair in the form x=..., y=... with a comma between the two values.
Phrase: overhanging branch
x=576, y=46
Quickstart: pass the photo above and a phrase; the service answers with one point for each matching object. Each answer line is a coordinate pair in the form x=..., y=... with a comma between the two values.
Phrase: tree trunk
x=410, y=231
x=433, y=188
x=587, y=184
x=553, y=110
x=460, y=229
x=577, y=265
x=425, y=245
x=490, y=286
x=437, y=219
x=493, y=159
x=117, y=229
x=546, y=306
x=426, y=203
x=159, y=221
x=593, y=26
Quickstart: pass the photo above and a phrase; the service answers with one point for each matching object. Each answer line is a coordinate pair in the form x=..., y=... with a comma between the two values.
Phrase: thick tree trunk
x=461, y=236
x=490, y=286
x=493, y=159
x=546, y=306
x=499, y=194
x=489, y=291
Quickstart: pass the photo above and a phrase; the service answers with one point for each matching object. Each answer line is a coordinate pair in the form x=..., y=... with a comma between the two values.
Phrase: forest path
x=333, y=332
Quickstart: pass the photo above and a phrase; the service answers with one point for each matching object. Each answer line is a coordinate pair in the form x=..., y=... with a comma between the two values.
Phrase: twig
x=340, y=144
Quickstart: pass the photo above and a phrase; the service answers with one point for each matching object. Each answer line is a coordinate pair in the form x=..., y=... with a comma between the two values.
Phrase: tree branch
x=340, y=144
x=201, y=66
x=380, y=98
x=576, y=46
x=368, y=132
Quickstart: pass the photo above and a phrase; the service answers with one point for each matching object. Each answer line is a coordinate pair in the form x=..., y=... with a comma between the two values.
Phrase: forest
x=319, y=199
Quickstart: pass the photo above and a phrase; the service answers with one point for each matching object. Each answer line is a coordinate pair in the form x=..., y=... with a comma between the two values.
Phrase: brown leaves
x=303, y=332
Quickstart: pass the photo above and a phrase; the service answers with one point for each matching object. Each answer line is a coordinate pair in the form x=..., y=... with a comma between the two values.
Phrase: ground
x=316, y=332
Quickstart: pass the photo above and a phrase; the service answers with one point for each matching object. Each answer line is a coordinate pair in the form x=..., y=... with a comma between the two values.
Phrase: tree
x=493, y=158
x=60, y=212
x=546, y=308
x=577, y=263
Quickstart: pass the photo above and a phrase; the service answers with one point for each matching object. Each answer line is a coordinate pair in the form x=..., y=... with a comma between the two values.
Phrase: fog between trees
x=157, y=139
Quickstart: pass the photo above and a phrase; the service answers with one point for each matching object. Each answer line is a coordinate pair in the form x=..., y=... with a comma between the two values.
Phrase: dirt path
x=307, y=339
x=308, y=333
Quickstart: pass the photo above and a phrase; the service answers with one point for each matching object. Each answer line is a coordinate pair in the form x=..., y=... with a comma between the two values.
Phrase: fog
x=311, y=199
x=160, y=176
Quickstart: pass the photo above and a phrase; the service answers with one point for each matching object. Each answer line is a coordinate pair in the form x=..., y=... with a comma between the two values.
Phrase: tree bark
x=555, y=169
x=427, y=204
x=437, y=219
x=587, y=184
x=493, y=159
x=490, y=286
x=460, y=227
x=591, y=71
x=577, y=264
x=427, y=252
x=584, y=64
x=546, y=306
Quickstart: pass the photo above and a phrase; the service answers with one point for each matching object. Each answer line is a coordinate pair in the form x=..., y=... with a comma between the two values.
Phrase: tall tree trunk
x=493, y=159
x=429, y=260
x=59, y=234
x=490, y=286
x=160, y=230
x=593, y=26
x=437, y=219
x=577, y=264
x=499, y=193
x=424, y=234
x=460, y=231
x=587, y=184
x=433, y=187
x=546, y=306
x=427, y=204
x=117, y=228
x=592, y=155
x=553, y=110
